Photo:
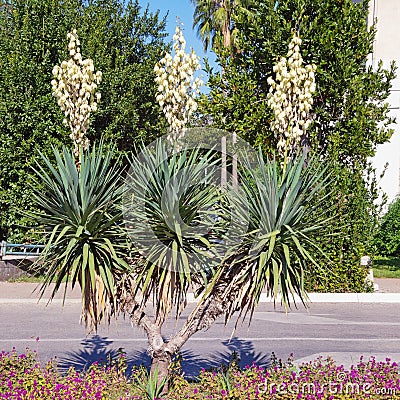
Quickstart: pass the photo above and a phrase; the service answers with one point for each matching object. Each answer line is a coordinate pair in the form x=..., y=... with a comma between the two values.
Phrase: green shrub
x=124, y=41
x=350, y=199
x=350, y=109
x=387, y=239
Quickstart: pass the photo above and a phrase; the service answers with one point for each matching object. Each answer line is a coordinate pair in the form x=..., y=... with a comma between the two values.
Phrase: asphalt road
x=345, y=331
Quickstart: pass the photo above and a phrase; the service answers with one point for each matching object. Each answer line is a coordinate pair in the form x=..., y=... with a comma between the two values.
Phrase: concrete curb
x=313, y=298
x=347, y=298
x=43, y=301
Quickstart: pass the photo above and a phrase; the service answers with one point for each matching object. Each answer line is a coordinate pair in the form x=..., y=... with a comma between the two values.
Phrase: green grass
x=386, y=267
x=27, y=279
x=31, y=279
x=32, y=275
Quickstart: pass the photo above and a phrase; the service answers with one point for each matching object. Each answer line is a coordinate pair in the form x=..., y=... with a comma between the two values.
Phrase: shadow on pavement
x=99, y=349
x=93, y=349
x=245, y=352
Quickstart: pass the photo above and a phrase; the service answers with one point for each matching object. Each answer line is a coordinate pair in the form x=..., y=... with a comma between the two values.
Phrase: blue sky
x=184, y=10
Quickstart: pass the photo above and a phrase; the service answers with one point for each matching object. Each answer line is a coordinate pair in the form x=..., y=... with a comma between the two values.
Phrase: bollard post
x=224, y=173
x=366, y=262
x=3, y=247
x=234, y=163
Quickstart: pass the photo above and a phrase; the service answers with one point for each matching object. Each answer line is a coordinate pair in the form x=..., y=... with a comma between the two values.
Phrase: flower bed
x=23, y=377
x=320, y=379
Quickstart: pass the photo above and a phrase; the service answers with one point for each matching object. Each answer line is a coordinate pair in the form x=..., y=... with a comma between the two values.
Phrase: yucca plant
x=149, y=385
x=171, y=203
x=80, y=205
x=171, y=208
x=284, y=222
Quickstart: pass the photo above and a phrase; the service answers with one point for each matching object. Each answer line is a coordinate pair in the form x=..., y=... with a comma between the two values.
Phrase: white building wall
x=387, y=48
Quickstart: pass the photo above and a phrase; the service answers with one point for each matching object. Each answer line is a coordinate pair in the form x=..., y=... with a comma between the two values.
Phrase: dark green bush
x=353, y=220
x=350, y=111
x=123, y=40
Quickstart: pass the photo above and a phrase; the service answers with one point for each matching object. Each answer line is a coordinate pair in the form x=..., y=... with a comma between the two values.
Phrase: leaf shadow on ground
x=93, y=349
x=246, y=354
x=100, y=349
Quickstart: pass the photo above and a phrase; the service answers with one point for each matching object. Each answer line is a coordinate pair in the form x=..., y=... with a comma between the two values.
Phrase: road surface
x=345, y=331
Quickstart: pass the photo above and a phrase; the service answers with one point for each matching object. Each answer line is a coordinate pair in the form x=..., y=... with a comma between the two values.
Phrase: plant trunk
x=160, y=362
x=226, y=33
x=201, y=318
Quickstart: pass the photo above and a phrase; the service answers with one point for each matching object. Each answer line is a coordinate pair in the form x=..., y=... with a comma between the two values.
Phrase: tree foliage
x=352, y=198
x=351, y=114
x=124, y=42
x=350, y=109
x=287, y=215
x=215, y=24
x=387, y=238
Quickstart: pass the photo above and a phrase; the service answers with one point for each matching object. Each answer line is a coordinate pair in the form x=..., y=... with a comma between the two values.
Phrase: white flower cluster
x=290, y=97
x=74, y=85
x=177, y=87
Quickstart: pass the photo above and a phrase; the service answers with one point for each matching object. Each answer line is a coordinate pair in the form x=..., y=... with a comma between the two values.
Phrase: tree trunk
x=160, y=363
x=226, y=33
x=201, y=318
